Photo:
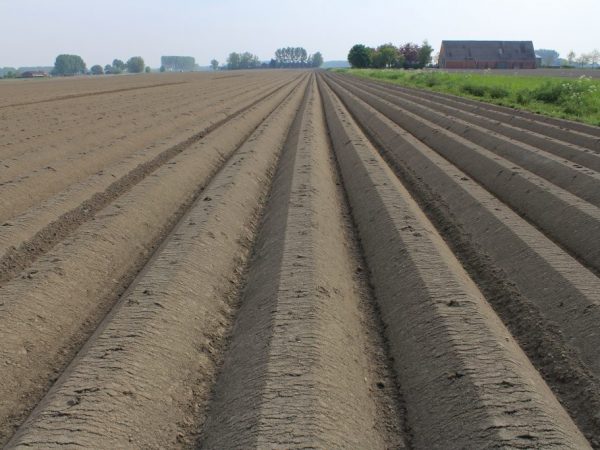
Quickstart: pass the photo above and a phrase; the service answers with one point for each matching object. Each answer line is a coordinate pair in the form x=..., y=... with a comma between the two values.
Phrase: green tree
x=163, y=69
x=291, y=57
x=249, y=61
x=108, y=69
x=178, y=63
x=571, y=57
x=97, y=70
x=214, y=64
x=118, y=66
x=8, y=72
x=233, y=61
x=148, y=69
x=360, y=56
x=135, y=64
x=68, y=65
x=386, y=56
x=425, y=54
x=317, y=60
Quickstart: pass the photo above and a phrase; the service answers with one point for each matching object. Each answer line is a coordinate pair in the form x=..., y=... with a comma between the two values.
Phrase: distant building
x=538, y=61
x=33, y=74
x=487, y=55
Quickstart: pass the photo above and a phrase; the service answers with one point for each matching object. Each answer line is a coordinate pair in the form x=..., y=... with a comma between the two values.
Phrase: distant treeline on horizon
x=285, y=57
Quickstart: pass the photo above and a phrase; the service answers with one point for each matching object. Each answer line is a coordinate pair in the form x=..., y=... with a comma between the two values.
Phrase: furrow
x=24, y=190
x=574, y=178
x=25, y=238
x=466, y=382
x=299, y=372
x=549, y=301
x=102, y=126
x=570, y=221
x=18, y=91
x=51, y=309
x=579, y=155
x=565, y=130
x=92, y=94
x=144, y=378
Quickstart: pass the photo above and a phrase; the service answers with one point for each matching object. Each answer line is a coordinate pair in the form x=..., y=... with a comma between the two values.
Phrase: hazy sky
x=35, y=31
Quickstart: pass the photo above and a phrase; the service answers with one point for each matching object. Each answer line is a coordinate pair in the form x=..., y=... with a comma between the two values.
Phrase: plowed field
x=294, y=259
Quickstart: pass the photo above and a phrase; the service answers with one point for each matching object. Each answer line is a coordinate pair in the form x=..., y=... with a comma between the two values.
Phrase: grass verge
x=575, y=99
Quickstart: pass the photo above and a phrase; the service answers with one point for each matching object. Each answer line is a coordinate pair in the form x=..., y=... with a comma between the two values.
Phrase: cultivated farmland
x=292, y=259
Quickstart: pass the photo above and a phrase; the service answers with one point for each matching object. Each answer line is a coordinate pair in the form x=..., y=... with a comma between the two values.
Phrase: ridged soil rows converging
x=288, y=259
x=152, y=361
x=26, y=237
x=532, y=197
x=302, y=370
x=51, y=310
x=545, y=296
x=463, y=377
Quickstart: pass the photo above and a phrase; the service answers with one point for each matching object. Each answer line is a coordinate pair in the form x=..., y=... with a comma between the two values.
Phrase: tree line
x=292, y=57
x=407, y=56
x=177, y=63
x=551, y=58
x=66, y=65
x=246, y=60
x=287, y=57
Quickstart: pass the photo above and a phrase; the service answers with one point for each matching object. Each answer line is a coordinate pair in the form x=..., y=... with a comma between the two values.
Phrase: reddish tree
x=410, y=52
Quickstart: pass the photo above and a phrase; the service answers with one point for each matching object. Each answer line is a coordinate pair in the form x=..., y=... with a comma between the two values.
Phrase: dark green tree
x=148, y=69
x=135, y=64
x=360, y=56
x=97, y=70
x=118, y=66
x=108, y=69
x=317, y=60
x=214, y=64
x=68, y=65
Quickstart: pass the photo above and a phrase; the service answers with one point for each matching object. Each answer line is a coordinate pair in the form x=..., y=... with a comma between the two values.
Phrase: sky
x=35, y=31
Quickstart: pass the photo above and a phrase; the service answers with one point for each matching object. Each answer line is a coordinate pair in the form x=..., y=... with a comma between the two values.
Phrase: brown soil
x=286, y=259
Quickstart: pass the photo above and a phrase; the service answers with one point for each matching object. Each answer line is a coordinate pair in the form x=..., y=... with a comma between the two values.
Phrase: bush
x=498, y=92
x=135, y=64
x=97, y=70
x=523, y=97
x=395, y=75
x=431, y=80
x=68, y=65
x=548, y=92
x=360, y=56
x=428, y=79
x=472, y=89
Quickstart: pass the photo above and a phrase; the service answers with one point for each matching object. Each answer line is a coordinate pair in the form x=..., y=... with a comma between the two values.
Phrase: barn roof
x=488, y=50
